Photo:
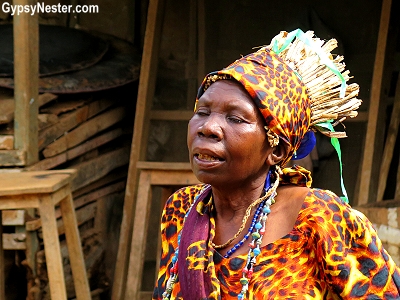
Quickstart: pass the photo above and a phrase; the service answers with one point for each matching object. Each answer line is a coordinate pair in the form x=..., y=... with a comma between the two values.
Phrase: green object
x=335, y=143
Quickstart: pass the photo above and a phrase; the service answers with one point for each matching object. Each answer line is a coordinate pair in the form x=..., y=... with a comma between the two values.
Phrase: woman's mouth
x=206, y=157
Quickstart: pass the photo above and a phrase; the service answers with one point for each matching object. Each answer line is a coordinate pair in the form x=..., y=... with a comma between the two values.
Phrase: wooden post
x=368, y=156
x=26, y=72
x=387, y=156
x=2, y=274
x=201, y=42
x=145, y=96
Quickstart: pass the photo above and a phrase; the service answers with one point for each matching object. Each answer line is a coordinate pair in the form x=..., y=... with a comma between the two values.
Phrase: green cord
x=335, y=143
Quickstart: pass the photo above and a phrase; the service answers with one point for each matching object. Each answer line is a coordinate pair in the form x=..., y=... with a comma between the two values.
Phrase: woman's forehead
x=230, y=91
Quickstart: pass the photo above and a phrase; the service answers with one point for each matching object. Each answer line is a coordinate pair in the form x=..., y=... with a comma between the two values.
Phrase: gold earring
x=273, y=138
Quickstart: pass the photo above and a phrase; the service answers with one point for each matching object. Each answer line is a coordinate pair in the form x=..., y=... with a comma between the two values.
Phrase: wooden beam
x=14, y=241
x=2, y=275
x=96, y=168
x=201, y=42
x=26, y=75
x=14, y=217
x=172, y=115
x=85, y=131
x=71, y=120
x=369, y=148
x=154, y=165
x=49, y=163
x=6, y=142
x=147, y=80
x=392, y=132
x=12, y=158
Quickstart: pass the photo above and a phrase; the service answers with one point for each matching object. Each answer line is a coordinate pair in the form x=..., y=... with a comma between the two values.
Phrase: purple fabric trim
x=194, y=283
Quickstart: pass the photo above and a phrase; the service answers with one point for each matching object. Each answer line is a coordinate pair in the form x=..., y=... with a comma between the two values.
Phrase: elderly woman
x=254, y=230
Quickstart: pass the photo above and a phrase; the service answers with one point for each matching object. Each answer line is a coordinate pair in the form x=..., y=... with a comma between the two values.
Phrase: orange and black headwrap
x=277, y=91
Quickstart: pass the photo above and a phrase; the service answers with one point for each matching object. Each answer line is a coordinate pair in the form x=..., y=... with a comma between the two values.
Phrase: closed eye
x=202, y=112
x=236, y=120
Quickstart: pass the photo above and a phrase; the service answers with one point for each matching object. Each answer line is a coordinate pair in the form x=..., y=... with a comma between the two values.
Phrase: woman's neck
x=231, y=204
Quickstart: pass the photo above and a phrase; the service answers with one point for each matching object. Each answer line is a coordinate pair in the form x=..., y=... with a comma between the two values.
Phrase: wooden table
x=44, y=190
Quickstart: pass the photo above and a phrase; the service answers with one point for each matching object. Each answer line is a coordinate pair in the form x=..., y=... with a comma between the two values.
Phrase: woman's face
x=226, y=137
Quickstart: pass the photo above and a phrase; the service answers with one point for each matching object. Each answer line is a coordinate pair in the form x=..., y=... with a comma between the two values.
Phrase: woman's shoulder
x=326, y=211
x=325, y=200
x=180, y=201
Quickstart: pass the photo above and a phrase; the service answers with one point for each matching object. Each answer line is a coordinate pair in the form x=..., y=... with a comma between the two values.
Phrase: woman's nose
x=211, y=127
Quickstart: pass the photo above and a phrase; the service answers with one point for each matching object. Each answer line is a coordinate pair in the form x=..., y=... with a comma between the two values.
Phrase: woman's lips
x=207, y=157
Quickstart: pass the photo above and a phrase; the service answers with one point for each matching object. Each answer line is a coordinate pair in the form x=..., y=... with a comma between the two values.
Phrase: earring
x=273, y=138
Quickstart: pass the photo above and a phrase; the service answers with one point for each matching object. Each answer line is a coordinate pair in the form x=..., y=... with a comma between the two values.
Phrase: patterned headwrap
x=299, y=87
x=276, y=90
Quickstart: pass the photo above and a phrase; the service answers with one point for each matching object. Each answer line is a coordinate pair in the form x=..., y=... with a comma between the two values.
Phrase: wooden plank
x=191, y=63
x=77, y=263
x=26, y=74
x=14, y=241
x=97, y=194
x=107, y=195
x=64, y=106
x=392, y=132
x=52, y=249
x=201, y=41
x=397, y=191
x=94, y=143
x=46, y=120
x=94, y=169
x=13, y=217
x=6, y=142
x=173, y=177
x=52, y=162
x=139, y=235
x=7, y=107
x=83, y=215
x=46, y=98
x=85, y=131
x=32, y=183
x=106, y=180
x=71, y=120
x=154, y=165
x=148, y=71
x=369, y=148
x=2, y=275
x=48, y=163
x=12, y=158
x=172, y=115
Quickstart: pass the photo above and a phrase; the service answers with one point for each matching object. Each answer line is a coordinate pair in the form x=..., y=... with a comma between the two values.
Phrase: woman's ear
x=277, y=154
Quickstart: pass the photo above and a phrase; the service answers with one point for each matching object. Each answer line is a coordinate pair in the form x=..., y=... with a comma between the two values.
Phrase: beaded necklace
x=267, y=186
x=254, y=250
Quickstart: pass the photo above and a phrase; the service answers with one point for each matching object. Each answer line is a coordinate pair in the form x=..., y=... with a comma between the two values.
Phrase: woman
x=254, y=230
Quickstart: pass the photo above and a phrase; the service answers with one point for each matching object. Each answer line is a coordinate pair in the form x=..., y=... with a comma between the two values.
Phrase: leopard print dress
x=332, y=252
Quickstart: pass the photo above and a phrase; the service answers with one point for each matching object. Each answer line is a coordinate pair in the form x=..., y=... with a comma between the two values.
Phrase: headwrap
x=276, y=90
x=299, y=87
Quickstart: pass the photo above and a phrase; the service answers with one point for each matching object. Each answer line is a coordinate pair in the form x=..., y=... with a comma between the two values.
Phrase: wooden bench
x=44, y=190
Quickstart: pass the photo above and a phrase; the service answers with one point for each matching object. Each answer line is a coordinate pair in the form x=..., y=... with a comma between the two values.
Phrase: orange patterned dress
x=332, y=252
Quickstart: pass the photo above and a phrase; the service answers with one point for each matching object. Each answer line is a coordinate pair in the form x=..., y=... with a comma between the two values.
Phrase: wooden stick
x=26, y=74
x=369, y=148
x=84, y=131
x=387, y=156
x=145, y=95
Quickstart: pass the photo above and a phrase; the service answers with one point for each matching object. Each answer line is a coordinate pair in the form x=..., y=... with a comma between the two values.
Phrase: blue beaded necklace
x=267, y=186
